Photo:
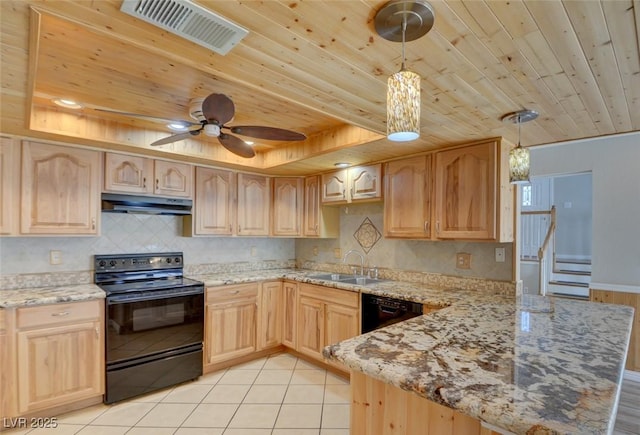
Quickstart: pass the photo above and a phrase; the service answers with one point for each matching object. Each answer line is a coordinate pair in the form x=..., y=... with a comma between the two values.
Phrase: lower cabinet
x=289, y=314
x=325, y=316
x=230, y=322
x=60, y=354
x=270, y=315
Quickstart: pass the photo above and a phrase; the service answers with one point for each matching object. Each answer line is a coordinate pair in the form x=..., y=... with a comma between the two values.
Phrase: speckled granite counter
x=49, y=295
x=504, y=362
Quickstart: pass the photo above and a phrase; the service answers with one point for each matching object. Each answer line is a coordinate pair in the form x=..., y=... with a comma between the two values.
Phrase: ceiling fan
x=212, y=113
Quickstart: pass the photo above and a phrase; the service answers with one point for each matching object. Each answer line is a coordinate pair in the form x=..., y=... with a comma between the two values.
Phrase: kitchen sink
x=362, y=280
x=331, y=276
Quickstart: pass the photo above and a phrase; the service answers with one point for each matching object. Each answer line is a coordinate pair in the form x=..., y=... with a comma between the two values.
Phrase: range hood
x=120, y=203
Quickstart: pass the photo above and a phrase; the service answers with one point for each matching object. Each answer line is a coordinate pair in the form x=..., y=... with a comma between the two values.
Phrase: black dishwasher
x=380, y=311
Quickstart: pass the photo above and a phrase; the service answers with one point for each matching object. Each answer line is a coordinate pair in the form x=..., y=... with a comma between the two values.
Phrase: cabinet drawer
x=331, y=295
x=44, y=315
x=231, y=292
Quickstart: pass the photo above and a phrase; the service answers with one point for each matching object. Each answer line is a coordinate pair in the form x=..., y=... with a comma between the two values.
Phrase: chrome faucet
x=353, y=251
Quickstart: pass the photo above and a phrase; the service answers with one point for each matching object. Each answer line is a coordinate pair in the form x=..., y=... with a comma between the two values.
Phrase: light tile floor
x=278, y=395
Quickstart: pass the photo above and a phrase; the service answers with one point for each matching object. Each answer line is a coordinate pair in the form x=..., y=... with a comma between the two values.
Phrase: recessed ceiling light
x=69, y=104
x=342, y=165
x=178, y=126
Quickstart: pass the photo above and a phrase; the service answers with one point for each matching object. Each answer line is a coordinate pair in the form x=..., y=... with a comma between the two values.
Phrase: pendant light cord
x=404, y=30
x=519, y=122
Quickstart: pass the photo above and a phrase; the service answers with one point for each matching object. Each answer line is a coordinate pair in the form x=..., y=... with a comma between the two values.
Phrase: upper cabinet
x=214, y=208
x=359, y=183
x=407, y=193
x=286, y=212
x=318, y=221
x=473, y=197
x=460, y=193
x=254, y=204
x=10, y=183
x=134, y=174
x=60, y=190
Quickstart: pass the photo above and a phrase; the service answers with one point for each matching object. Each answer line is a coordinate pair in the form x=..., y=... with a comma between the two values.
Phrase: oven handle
x=123, y=299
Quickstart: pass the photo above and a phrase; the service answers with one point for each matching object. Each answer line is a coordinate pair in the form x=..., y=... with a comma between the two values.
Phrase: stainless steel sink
x=362, y=280
x=331, y=277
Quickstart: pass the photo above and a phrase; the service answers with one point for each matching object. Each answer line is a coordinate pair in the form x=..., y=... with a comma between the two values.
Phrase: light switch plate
x=500, y=255
x=55, y=257
x=463, y=260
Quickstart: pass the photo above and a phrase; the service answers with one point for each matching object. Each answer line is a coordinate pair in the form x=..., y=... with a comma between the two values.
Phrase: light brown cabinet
x=289, y=313
x=60, y=190
x=473, y=197
x=254, y=205
x=358, y=183
x=325, y=316
x=134, y=174
x=230, y=322
x=9, y=185
x=318, y=221
x=459, y=193
x=286, y=211
x=270, y=309
x=407, y=204
x=60, y=354
x=214, y=208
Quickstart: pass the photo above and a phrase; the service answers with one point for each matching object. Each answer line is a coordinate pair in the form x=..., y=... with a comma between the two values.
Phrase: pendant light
x=402, y=21
x=519, y=164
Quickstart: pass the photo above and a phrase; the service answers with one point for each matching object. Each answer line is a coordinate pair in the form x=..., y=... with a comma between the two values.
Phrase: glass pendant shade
x=519, y=165
x=403, y=106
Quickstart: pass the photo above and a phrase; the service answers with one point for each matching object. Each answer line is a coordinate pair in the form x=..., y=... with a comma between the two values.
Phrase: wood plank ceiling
x=320, y=68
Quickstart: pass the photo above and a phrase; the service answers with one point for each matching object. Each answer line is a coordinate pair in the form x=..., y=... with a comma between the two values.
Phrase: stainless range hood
x=121, y=203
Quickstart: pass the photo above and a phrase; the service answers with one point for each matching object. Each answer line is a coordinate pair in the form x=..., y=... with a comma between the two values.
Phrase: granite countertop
x=506, y=361
x=49, y=295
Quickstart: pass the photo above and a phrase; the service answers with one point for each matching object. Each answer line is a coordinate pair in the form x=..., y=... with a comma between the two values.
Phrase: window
x=526, y=195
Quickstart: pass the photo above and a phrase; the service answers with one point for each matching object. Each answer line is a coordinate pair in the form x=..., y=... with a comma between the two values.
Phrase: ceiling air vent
x=189, y=21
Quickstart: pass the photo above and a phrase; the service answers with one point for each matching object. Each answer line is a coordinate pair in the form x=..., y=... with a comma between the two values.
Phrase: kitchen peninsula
x=528, y=365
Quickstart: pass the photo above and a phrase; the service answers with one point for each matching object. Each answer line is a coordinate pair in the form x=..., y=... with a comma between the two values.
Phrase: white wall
x=614, y=162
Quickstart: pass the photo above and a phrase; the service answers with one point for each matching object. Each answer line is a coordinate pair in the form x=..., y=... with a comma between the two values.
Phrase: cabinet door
x=129, y=174
x=311, y=218
x=173, y=179
x=289, y=314
x=214, y=205
x=365, y=182
x=342, y=322
x=10, y=183
x=465, y=184
x=60, y=190
x=58, y=365
x=254, y=203
x=287, y=206
x=270, y=319
x=407, y=203
x=230, y=329
x=310, y=327
x=334, y=186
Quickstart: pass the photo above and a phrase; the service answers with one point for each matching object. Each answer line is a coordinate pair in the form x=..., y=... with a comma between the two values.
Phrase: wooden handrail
x=538, y=211
x=552, y=228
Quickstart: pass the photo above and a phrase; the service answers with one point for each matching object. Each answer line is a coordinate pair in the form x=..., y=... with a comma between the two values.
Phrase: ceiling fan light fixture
x=178, y=126
x=401, y=21
x=519, y=157
x=212, y=130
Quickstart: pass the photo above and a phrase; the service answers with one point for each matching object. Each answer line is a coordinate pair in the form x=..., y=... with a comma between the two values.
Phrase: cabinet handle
x=234, y=292
x=144, y=183
x=351, y=192
x=239, y=229
x=344, y=193
x=61, y=314
x=426, y=226
x=93, y=223
x=157, y=183
x=437, y=227
x=97, y=332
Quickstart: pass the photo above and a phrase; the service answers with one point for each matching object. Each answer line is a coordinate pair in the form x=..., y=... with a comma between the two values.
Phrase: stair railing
x=547, y=253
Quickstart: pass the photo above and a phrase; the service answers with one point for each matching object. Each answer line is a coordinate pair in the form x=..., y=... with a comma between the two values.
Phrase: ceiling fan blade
x=176, y=137
x=268, y=133
x=236, y=145
x=150, y=118
x=218, y=108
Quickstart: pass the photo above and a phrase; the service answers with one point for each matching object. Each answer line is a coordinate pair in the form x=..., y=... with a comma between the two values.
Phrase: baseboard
x=632, y=376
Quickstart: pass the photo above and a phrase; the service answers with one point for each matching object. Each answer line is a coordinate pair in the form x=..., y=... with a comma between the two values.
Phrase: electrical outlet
x=55, y=257
x=315, y=251
x=500, y=255
x=463, y=260
x=337, y=253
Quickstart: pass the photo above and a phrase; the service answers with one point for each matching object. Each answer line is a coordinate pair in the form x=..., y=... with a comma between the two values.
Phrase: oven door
x=143, y=324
